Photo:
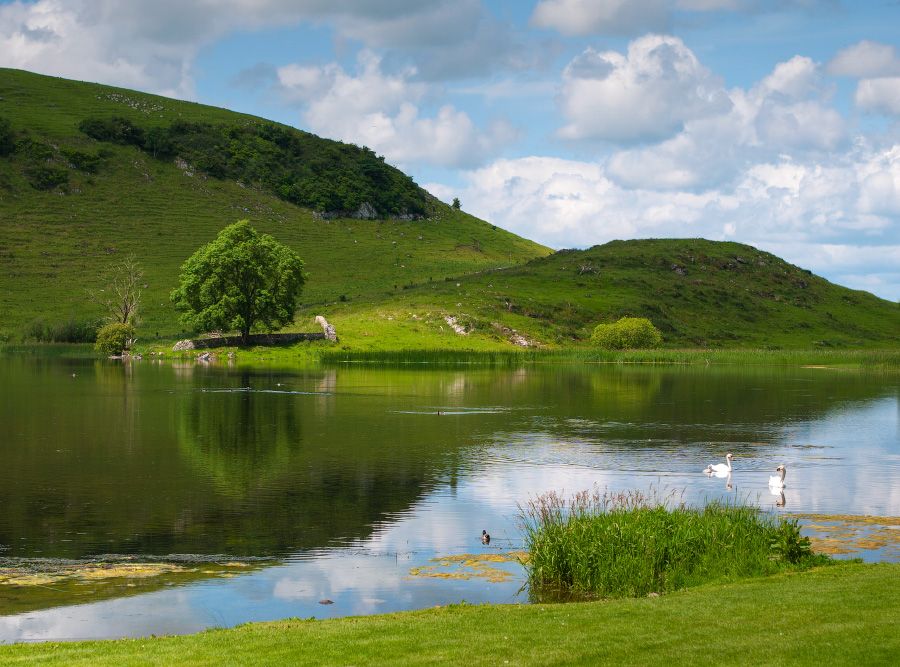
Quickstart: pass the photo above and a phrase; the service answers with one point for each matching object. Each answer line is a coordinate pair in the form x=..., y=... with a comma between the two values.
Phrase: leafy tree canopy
x=295, y=166
x=241, y=281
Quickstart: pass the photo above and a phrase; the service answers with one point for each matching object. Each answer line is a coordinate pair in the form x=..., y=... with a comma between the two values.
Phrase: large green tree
x=241, y=281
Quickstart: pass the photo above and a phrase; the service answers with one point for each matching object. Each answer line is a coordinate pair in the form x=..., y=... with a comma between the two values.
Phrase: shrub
x=74, y=331
x=64, y=331
x=46, y=177
x=83, y=161
x=116, y=129
x=627, y=333
x=7, y=137
x=114, y=338
x=35, y=150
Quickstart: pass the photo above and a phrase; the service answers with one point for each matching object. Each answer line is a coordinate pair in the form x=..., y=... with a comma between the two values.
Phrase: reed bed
x=48, y=350
x=631, y=544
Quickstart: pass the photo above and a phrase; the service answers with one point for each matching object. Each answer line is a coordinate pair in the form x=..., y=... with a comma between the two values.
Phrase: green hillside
x=698, y=293
x=91, y=174
x=72, y=206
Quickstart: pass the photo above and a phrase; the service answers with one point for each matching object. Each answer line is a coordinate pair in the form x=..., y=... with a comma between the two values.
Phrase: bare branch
x=123, y=296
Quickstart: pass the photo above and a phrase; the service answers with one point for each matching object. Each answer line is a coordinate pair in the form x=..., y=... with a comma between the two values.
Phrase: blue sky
x=571, y=122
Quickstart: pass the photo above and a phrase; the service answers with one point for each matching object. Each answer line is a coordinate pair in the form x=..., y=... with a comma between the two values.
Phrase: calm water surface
x=334, y=483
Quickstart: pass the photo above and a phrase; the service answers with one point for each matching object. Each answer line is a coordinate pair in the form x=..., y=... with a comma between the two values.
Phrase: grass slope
x=698, y=293
x=56, y=243
x=838, y=615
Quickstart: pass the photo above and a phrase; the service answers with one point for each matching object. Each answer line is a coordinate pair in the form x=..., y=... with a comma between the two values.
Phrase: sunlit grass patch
x=471, y=565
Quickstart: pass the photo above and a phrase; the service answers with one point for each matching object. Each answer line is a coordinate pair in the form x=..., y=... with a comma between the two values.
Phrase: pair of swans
x=723, y=469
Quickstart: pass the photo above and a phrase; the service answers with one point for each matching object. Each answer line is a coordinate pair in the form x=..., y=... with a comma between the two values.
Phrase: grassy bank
x=499, y=354
x=842, y=615
x=488, y=353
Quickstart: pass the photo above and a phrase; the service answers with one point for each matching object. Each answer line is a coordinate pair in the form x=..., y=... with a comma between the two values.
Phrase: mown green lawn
x=846, y=614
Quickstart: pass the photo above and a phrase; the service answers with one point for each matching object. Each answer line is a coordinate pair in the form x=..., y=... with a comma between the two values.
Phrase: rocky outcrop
x=458, y=328
x=327, y=329
x=366, y=212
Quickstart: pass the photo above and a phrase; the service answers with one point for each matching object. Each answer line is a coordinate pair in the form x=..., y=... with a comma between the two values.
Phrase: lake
x=256, y=493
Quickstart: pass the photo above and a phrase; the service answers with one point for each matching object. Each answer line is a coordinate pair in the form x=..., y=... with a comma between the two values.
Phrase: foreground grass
x=841, y=615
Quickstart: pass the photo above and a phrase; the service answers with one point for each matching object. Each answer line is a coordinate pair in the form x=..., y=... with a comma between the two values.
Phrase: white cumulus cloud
x=382, y=111
x=877, y=67
x=880, y=95
x=590, y=17
x=865, y=60
x=647, y=94
x=787, y=111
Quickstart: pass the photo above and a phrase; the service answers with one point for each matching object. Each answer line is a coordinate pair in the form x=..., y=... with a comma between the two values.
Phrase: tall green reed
x=631, y=543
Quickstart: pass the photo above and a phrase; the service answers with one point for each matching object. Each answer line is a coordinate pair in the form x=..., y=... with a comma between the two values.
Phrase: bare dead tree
x=123, y=295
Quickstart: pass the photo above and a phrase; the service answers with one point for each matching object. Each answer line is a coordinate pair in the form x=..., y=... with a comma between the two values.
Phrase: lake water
x=270, y=491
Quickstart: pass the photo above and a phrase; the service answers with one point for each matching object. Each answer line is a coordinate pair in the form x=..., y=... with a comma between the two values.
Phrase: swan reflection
x=721, y=474
x=779, y=493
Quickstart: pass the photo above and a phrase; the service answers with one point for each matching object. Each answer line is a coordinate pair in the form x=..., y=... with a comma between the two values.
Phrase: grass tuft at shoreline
x=631, y=544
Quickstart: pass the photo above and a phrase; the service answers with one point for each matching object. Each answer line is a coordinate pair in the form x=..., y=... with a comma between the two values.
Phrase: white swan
x=720, y=467
x=775, y=481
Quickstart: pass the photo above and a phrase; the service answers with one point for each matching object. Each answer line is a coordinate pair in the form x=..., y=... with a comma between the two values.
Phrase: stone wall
x=235, y=341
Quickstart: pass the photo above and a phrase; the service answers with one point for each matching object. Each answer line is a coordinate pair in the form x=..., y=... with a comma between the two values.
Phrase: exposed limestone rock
x=461, y=330
x=330, y=332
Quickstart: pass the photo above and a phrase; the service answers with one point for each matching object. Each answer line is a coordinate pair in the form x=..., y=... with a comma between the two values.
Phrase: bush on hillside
x=116, y=129
x=295, y=166
x=88, y=162
x=46, y=177
x=72, y=330
x=7, y=137
x=114, y=338
x=629, y=333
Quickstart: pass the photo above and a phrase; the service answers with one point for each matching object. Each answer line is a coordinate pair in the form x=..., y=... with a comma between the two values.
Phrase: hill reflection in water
x=344, y=479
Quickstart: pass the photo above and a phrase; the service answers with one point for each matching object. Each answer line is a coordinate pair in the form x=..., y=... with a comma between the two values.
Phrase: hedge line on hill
x=296, y=166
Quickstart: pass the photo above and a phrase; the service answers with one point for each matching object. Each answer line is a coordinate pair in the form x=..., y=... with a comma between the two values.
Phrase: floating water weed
x=631, y=543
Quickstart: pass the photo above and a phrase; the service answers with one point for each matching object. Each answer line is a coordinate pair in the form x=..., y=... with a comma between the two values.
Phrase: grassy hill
x=698, y=293
x=90, y=174
x=72, y=206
